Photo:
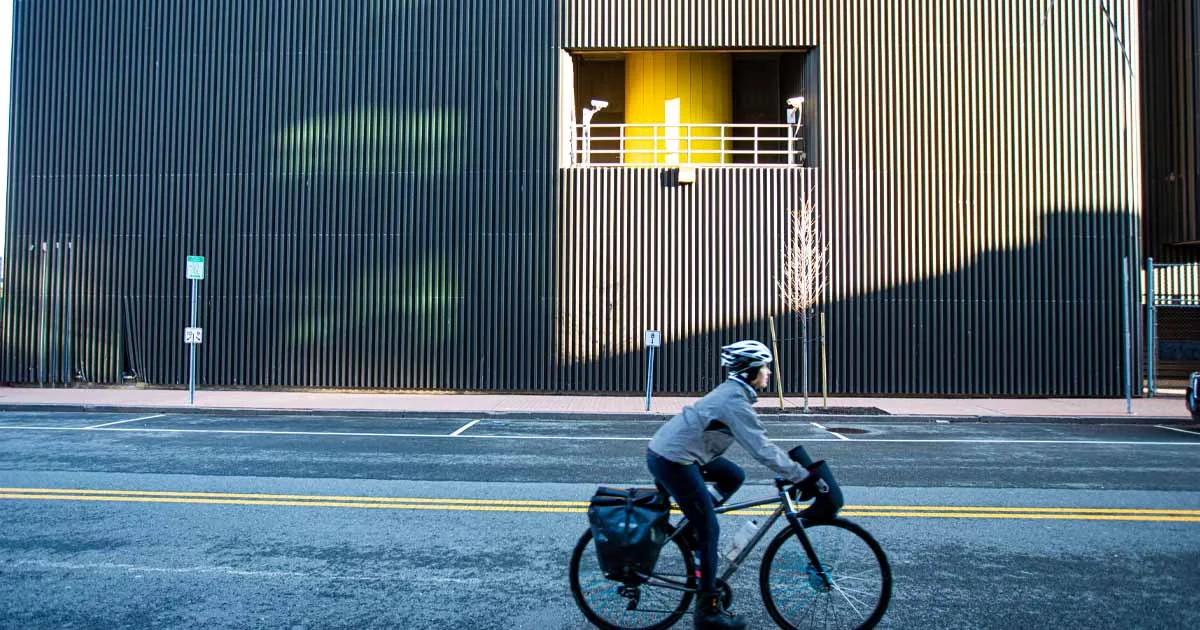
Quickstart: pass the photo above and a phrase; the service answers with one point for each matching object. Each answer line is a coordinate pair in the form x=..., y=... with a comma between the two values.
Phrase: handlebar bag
x=829, y=497
x=629, y=527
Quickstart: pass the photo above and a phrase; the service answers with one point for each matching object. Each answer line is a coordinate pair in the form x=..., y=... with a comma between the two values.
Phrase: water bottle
x=740, y=539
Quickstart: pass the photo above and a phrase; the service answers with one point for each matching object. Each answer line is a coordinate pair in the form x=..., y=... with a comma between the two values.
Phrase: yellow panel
x=665, y=90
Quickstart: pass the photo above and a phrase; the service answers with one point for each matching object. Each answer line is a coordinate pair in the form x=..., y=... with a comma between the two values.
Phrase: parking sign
x=195, y=267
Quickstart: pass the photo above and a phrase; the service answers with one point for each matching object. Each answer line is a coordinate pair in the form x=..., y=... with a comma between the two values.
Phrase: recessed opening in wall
x=697, y=107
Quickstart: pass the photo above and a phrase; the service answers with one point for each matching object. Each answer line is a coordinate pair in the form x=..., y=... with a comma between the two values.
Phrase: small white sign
x=653, y=339
x=195, y=267
x=193, y=335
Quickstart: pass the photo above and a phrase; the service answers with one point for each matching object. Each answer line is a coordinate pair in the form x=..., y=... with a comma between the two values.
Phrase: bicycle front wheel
x=854, y=591
x=655, y=604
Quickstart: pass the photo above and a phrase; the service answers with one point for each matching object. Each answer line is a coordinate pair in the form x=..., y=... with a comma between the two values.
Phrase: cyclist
x=686, y=452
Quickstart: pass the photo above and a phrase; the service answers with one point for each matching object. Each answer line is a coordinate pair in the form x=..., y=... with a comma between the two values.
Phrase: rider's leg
x=725, y=475
x=686, y=485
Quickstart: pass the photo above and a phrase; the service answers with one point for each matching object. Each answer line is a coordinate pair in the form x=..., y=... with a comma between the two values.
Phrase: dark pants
x=685, y=483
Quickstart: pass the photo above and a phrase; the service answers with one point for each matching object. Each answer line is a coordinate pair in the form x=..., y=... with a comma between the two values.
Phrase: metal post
x=68, y=316
x=649, y=377
x=791, y=132
x=1126, y=306
x=55, y=315
x=778, y=372
x=587, y=142
x=804, y=355
x=824, y=366
x=192, y=351
x=1151, y=329
x=43, y=323
x=792, y=145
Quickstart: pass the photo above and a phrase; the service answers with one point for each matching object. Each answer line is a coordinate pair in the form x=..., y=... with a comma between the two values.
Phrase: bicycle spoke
x=657, y=602
x=850, y=590
x=862, y=576
x=854, y=591
x=851, y=600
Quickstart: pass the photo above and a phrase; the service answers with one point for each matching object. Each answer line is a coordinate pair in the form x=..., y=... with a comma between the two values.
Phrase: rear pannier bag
x=629, y=527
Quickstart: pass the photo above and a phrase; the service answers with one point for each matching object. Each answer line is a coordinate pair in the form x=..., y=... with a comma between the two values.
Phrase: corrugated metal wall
x=1171, y=102
x=983, y=167
x=698, y=262
x=374, y=188
x=624, y=24
x=979, y=186
x=370, y=183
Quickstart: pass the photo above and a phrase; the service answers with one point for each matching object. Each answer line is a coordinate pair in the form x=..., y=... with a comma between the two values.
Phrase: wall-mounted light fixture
x=588, y=112
x=794, y=105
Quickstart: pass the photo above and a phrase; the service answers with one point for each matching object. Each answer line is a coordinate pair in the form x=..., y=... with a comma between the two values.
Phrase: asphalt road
x=204, y=521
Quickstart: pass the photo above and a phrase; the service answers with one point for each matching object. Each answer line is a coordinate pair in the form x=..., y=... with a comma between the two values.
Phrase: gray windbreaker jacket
x=705, y=430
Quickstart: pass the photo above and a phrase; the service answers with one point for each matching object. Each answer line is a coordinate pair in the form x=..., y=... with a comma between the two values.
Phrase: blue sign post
x=653, y=340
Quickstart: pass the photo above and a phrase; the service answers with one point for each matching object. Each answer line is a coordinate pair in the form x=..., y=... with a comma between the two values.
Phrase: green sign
x=195, y=267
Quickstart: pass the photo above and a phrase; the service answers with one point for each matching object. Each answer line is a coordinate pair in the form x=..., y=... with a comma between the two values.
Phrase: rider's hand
x=810, y=485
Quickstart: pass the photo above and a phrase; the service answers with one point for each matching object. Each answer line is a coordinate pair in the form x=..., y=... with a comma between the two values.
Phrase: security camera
x=796, y=102
x=599, y=104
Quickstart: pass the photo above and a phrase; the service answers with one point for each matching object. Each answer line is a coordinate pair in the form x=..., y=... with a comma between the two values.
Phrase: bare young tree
x=803, y=278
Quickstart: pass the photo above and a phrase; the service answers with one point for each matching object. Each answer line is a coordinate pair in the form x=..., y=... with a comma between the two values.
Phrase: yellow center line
x=348, y=504
x=297, y=497
x=519, y=505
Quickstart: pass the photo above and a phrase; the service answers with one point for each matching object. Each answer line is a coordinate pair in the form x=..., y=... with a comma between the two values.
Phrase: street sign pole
x=649, y=378
x=192, y=352
x=193, y=335
x=653, y=340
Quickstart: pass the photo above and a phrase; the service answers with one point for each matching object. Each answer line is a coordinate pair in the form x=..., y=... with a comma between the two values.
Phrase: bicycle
x=827, y=572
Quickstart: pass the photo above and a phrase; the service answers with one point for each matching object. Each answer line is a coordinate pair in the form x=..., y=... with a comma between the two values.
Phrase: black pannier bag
x=629, y=527
x=828, y=499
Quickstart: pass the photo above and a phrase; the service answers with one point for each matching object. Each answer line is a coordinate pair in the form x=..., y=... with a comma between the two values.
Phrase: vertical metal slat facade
x=977, y=183
x=376, y=189
x=371, y=185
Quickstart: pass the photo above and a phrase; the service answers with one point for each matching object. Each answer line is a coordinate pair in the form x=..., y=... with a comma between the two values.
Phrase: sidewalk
x=1162, y=408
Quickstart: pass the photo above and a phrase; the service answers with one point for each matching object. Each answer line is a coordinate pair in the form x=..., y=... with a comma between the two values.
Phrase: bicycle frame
x=786, y=508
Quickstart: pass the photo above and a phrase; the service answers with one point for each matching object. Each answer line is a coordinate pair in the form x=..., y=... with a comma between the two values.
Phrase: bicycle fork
x=794, y=519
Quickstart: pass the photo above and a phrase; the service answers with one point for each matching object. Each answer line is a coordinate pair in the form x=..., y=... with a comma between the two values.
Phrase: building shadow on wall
x=1042, y=319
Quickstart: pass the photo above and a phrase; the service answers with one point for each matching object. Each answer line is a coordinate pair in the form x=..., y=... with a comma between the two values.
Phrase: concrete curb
x=855, y=418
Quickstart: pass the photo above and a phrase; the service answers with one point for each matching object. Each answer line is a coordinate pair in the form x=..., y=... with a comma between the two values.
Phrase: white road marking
x=109, y=424
x=596, y=438
x=464, y=428
x=340, y=434
x=818, y=425
x=1159, y=426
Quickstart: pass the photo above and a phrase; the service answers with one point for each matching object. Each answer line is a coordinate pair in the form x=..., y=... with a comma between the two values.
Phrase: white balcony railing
x=708, y=144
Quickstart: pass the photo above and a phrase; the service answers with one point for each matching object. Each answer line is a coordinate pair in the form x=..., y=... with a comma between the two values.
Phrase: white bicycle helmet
x=742, y=356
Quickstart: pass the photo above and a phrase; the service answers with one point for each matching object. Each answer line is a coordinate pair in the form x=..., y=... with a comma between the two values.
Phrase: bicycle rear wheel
x=859, y=578
x=656, y=604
